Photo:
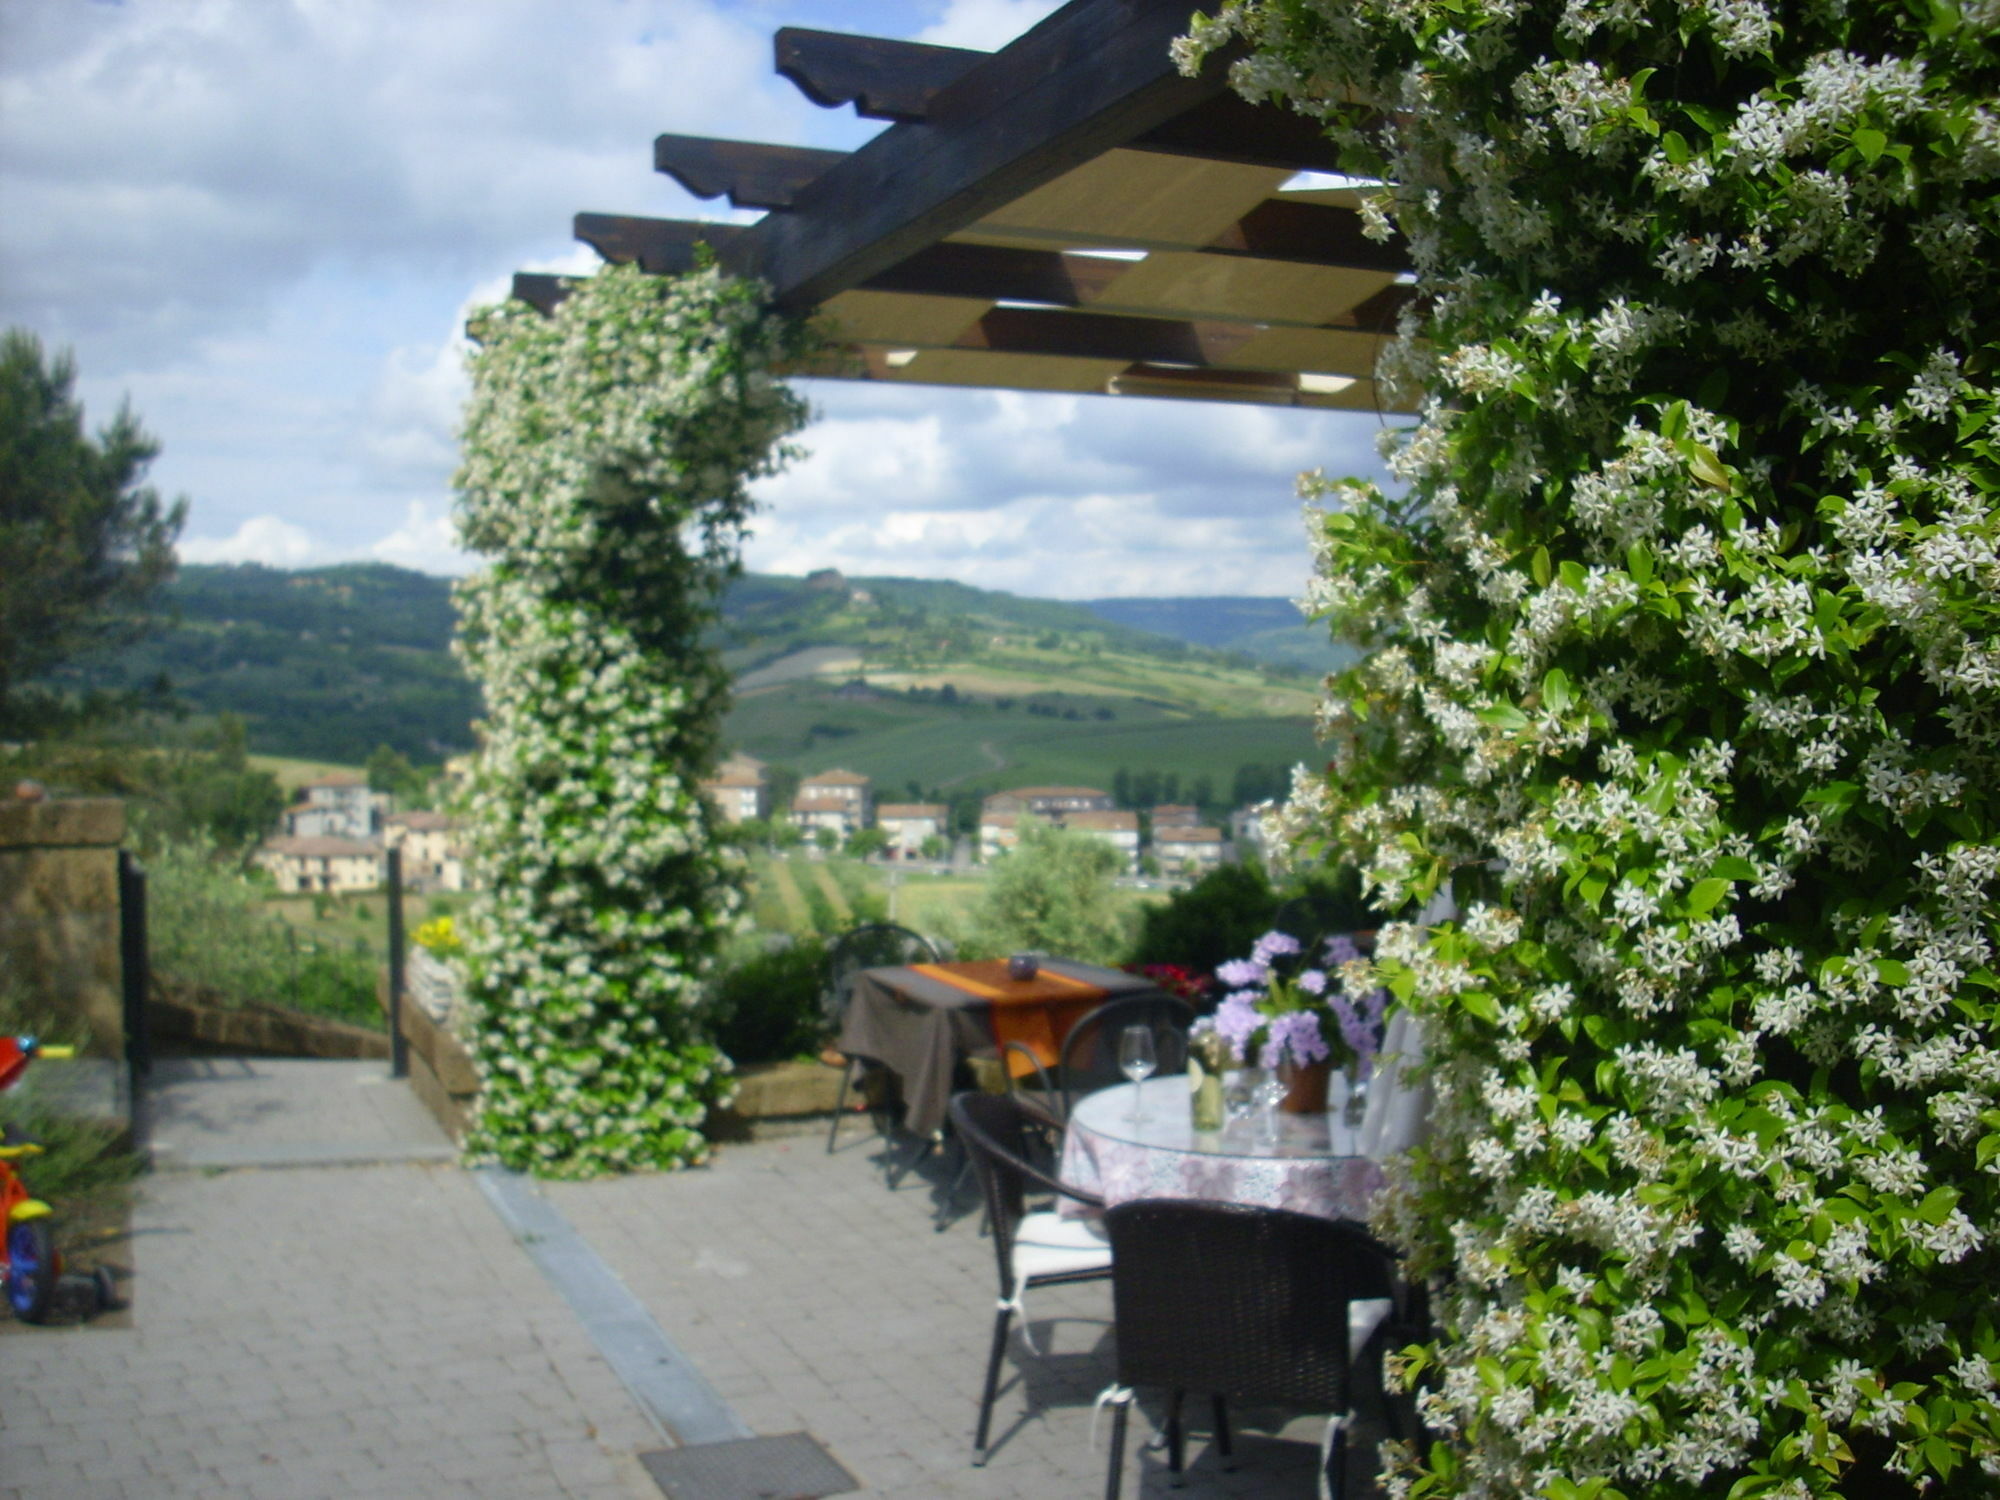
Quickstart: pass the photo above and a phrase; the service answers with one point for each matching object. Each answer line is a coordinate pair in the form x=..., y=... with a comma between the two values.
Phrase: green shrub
x=81, y=1163
x=767, y=1005
x=1052, y=894
x=1214, y=920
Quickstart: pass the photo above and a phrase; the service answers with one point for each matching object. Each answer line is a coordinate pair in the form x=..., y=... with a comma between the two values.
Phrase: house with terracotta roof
x=1115, y=827
x=909, y=824
x=322, y=863
x=1052, y=802
x=840, y=800
x=740, y=790
x=1187, y=851
x=337, y=805
x=432, y=860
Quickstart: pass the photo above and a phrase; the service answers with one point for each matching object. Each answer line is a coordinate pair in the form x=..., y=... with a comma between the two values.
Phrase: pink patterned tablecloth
x=1315, y=1167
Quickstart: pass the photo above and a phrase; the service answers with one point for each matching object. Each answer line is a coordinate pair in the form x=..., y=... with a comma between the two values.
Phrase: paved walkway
x=323, y=1307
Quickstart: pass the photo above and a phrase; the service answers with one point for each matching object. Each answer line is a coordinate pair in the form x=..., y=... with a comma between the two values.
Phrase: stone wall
x=59, y=912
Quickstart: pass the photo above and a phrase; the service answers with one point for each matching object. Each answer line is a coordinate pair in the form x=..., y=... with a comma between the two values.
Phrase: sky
x=263, y=222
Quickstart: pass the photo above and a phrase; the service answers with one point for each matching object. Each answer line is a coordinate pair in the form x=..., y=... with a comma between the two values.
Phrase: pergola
x=1068, y=213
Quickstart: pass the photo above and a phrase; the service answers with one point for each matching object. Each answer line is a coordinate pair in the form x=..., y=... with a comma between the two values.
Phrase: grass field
x=293, y=774
x=978, y=745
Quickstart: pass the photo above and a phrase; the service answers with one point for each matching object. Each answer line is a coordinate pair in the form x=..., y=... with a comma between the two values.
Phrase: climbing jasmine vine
x=1683, y=672
x=606, y=453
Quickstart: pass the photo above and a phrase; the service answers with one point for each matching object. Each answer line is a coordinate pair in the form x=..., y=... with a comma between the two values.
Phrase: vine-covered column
x=606, y=454
x=1684, y=673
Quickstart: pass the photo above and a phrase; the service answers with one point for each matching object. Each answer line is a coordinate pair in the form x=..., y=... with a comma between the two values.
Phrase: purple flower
x=1295, y=1036
x=1340, y=949
x=1271, y=945
x=1313, y=982
x=1238, y=1019
x=1241, y=973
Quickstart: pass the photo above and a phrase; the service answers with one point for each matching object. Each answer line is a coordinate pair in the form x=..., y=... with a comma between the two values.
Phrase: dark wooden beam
x=1231, y=128
x=1082, y=335
x=1091, y=77
x=541, y=292
x=1377, y=314
x=664, y=247
x=753, y=175
x=884, y=80
x=1316, y=233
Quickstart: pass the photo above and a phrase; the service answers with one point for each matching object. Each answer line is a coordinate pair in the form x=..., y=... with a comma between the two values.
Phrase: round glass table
x=1314, y=1166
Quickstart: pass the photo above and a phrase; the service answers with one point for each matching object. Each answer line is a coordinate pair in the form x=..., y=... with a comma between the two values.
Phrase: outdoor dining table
x=921, y=1020
x=1314, y=1166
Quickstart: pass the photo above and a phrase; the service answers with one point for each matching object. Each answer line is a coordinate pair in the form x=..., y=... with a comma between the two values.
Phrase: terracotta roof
x=1104, y=822
x=890, y=810
x=1187, y=835
x=835, y=778
x=422, y=820
x=336, y=779
x=821, y=804
x=736, y=775
x=322, y=848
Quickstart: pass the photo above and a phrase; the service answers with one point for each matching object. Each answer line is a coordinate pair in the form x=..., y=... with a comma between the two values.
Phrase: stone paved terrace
x=353, y=1324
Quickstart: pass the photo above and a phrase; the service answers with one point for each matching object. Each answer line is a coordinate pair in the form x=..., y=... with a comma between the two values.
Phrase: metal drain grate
x=790, y=1467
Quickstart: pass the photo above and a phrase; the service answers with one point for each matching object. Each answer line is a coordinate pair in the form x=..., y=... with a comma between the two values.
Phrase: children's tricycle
x=30, y=1266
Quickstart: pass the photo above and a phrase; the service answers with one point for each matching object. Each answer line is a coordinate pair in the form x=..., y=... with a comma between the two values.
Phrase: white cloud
x=269, y=540
x=426, y=542
x=985, y=24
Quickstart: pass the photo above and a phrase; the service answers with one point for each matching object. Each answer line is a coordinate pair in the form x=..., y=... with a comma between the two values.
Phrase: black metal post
x=399, y=1047
x=136, y=962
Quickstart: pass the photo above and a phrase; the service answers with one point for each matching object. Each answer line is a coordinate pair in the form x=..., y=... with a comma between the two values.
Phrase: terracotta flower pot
x=1305, y=1087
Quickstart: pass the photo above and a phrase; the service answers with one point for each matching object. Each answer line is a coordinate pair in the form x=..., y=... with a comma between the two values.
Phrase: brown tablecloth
x=919, y=1025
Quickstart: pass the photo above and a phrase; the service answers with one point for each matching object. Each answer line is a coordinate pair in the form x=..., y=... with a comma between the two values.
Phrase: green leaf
x=1734, y=867
x=1557, y=694
x=1707, y=467
x=1503, y=716
x=1538, y=566
x=1706, y=893
x=1871, y=144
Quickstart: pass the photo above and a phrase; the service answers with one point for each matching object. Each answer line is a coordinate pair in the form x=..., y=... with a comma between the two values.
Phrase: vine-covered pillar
x=607, y=450
x=1684, y=672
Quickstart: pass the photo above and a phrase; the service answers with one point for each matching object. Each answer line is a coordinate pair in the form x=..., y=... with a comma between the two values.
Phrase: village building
x=1117, y=828
x=840, y=800
x=910, y=824
x=322, y=863
x=428, y=840
x=1176, y=815
x=998, y=833
x=740, y=790
x=1187, y=851
x=338, y=805
x=1051, y=802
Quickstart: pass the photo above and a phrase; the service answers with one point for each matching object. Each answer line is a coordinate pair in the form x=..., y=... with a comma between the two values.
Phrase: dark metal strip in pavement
x=664, y=1381
x=166, y=1156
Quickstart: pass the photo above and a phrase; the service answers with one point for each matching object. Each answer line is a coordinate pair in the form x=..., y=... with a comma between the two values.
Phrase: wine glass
x=1266, y=1097
x=1136, y=1062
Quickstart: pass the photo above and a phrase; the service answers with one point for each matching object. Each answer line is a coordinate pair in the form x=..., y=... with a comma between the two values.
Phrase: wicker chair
x=1249, y=1304
x=872, y=945
x=1090, y=1051
x=1031, y=1249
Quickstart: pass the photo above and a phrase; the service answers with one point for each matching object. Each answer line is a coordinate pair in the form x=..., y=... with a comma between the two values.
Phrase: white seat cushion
x=1364, y=1316
x=1048, y=1244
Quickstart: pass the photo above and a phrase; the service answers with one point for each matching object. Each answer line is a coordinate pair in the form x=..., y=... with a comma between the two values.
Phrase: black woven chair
x=1031, y=1249
x=1248, y=1304
x=873, y=945
x=1090, y=1051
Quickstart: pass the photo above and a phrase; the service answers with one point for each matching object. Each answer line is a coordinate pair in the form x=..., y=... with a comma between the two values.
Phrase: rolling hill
x=921, y=684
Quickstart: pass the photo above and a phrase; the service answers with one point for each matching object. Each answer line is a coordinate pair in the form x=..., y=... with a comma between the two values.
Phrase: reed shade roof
x=1065, y=214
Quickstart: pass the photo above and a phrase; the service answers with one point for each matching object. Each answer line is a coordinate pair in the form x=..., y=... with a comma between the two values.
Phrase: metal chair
x=1248, y=1304
x=1031, y=1249
x=870, y=946
x=1090, y=1051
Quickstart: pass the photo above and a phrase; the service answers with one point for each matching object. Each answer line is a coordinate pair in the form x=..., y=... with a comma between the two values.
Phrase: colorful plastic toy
x=30, y=1266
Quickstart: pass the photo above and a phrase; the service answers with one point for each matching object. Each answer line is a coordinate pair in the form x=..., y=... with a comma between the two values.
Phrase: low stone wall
x=771, y=1098
x=192, y=1019
x=59, y=919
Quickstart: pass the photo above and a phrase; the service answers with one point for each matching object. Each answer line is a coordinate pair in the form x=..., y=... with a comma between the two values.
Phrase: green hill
x=917, y=683
x=1265, y=630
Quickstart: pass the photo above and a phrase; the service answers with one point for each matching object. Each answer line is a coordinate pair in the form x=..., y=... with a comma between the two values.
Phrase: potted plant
x=1298, y=1020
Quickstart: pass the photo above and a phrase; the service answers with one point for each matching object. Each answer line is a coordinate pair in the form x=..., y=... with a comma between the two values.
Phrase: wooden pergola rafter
x=1068, y=213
